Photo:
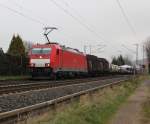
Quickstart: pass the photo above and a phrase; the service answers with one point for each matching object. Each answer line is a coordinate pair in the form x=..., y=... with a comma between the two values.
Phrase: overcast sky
x=79, y=23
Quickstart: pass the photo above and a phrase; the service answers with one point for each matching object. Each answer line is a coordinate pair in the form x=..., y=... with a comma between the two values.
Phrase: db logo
x=40, y=57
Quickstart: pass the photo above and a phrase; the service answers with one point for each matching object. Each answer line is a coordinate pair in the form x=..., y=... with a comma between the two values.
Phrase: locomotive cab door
x=59, y=54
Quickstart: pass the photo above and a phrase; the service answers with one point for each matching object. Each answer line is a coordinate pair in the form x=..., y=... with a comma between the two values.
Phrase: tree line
x=15, y=60
x=120, y=60
x=18, y=47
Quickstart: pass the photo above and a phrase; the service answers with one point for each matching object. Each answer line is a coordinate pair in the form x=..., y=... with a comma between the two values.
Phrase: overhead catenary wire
x=16, y=4
x=82, y=18
x=126, y=18
x=67, y=5
x=21, y=14
x=80, y=22
x=33, y=19
x=130, y=26
x=43, y=23
x=22, y=8
x=128, y=49
x=77, y=20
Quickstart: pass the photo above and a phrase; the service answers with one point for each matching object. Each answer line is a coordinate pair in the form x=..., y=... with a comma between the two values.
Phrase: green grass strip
x=95, y=112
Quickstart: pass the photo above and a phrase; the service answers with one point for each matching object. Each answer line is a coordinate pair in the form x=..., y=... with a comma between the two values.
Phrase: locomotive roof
x=45, y=45
x=58, y=46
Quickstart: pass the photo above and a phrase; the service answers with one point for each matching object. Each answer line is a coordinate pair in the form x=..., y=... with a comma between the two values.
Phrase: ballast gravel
x=15, y=101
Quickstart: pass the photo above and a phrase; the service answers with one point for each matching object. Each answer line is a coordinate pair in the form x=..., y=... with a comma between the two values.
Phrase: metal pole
x=90, y=49
x=143, y=55
x=137, y=47
x=85, y=49
x=143, y=60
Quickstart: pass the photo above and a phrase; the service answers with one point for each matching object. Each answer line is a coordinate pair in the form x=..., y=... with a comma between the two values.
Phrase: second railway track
x=27, y=86
x=16, y=106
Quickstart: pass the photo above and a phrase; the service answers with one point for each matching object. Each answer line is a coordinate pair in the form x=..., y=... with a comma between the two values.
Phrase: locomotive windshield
x=41, y=50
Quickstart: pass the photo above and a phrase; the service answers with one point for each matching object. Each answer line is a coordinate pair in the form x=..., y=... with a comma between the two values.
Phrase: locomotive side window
x=57, y=52
x=41, y=50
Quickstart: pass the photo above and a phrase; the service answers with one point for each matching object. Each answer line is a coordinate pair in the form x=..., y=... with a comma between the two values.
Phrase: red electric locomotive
x=54, y=60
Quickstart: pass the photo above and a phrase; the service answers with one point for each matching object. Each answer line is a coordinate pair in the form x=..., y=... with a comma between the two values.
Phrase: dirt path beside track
x=130, y=112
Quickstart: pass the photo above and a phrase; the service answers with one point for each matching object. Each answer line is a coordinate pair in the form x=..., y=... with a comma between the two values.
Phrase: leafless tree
x=1, y=51
x=128, y=60
x=147, y=49
x=27, y=45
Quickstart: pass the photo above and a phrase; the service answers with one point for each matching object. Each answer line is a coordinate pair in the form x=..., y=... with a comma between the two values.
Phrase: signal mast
x=47, y=31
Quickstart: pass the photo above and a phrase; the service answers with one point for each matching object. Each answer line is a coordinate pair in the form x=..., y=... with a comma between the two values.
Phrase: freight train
x=54, y=60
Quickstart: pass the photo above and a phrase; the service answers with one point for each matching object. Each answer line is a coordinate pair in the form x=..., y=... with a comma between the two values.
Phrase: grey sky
x=102, y=17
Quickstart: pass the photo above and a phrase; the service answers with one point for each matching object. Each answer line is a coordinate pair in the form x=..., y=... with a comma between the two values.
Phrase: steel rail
x=26, y=110
x=41, y=85
x=22, y=82
x=17, y=82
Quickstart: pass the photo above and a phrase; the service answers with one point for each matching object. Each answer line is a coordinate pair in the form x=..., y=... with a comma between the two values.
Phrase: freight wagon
x=97, y=66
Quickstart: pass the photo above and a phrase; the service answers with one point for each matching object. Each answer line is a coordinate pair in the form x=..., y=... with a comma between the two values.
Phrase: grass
x=13, y=77
x=99, y=110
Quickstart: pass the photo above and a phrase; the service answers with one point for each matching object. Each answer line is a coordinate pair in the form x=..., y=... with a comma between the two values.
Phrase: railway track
x=14, y=82
x=33, y=85
x=16, y=106
x=30, y=80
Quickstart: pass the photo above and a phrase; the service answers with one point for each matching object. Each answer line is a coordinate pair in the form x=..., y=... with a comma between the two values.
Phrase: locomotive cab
x=40, y=57
x=40, y=60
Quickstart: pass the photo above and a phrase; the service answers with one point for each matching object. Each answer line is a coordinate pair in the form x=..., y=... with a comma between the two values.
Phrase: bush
x=13, y=65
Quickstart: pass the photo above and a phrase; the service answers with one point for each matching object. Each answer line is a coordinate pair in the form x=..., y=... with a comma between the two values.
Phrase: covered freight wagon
x=97, y=65
x=105, y=65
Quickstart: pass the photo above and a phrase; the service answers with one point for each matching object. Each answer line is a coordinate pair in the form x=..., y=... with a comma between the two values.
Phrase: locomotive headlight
x=32, y=65
x=47, y=64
